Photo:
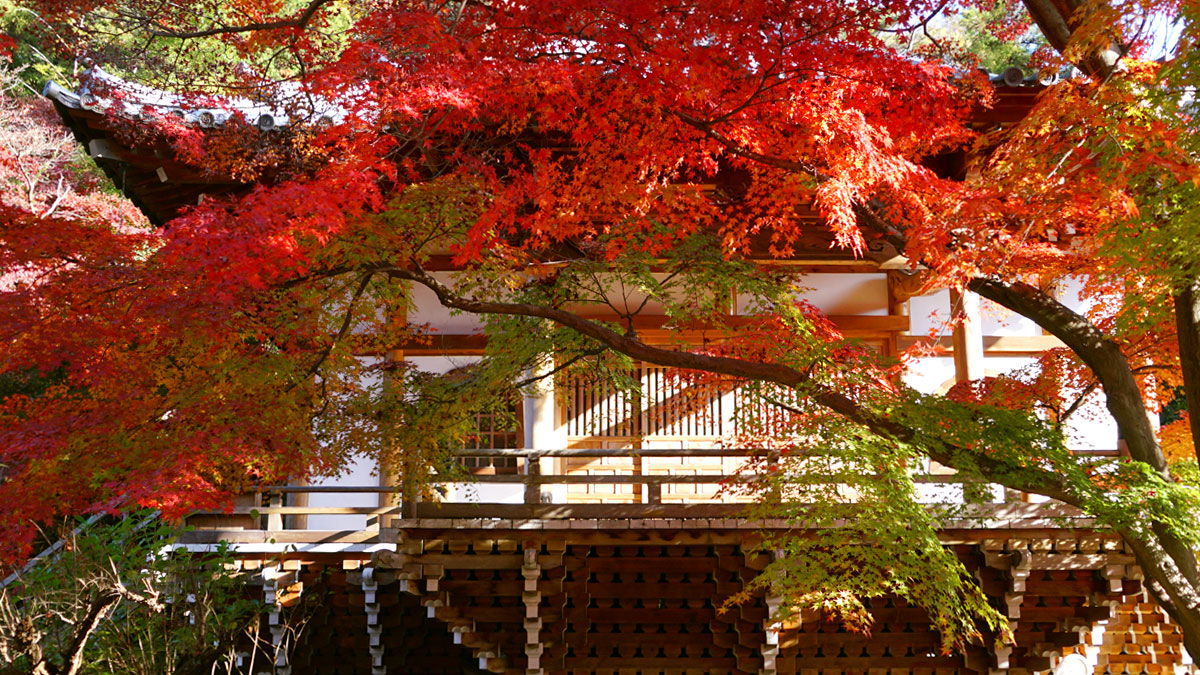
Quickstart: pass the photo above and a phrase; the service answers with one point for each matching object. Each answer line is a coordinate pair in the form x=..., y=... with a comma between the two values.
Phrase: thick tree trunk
x=1058, y=20
x=1174, y=592
x=1187, y=325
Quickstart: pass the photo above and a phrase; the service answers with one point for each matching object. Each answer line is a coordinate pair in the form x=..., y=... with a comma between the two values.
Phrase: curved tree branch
x=300, y=21
x=1031, y=480
x=1102, y=355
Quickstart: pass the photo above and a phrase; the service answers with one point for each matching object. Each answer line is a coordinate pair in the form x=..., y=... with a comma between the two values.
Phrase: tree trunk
x=1187, y=325
x=99, y=609
x=1178, y=596
x=1166, y=559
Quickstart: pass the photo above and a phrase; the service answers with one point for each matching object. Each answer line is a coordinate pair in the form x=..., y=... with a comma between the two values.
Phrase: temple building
x=596, y=534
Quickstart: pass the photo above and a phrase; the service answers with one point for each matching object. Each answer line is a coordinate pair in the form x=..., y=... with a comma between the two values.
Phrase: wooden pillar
x=389, y=473
x=275, y=520
x=900, y=287
x=968, y=336
x=542, y=431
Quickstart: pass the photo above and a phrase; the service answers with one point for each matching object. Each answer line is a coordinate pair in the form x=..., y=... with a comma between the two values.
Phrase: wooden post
x=653, y=492
x=275, y=520
x=968, y=336
x=390, y=473
x=408, y=488
x=533, y=489
x=542, y=430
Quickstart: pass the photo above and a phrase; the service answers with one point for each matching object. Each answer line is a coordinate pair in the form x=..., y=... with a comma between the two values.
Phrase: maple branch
x=298, y=22
x=865, y=214
x=742, y=151
x=347, y=320
x=1079, y=401
x=1035, y=480
x=560, y=367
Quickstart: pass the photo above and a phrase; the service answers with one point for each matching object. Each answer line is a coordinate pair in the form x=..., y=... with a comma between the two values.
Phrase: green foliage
x=826, y=485
x=30, y=383
x=986, y=33
x=172, y=612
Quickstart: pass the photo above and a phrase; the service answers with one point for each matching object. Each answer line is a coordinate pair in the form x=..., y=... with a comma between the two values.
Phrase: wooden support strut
x=771, y=629
x=271, y=577
x=1018, y=572
x=370, y=587
x=531, y=570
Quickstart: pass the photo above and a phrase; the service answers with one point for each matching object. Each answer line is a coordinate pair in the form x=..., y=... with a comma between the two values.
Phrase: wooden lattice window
x=494, y=430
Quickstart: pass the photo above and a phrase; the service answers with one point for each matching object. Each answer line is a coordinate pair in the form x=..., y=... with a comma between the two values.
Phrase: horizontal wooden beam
x=445, y=344
x=657, y=329
x=888, y=323
x=1015, y=345
x=988, y=515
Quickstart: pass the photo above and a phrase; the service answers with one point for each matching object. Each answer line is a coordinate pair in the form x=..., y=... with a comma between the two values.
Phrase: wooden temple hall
x=596, y=538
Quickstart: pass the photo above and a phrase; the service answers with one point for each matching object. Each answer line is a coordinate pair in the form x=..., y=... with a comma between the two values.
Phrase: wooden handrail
x=650, y=497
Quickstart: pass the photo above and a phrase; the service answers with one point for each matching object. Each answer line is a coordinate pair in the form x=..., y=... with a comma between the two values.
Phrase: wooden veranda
x=644, y=587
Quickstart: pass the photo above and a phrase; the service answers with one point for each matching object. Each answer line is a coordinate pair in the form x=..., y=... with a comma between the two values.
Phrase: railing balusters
x=273, y=514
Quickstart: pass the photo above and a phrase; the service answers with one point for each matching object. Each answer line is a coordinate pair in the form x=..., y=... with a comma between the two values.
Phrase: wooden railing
x=275, y=507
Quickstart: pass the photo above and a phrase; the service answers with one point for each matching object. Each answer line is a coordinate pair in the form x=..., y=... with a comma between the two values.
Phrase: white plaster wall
x=439, y=365
x=930, y=375
x=426, y=309
x=928, y=313
x=361, y=470
x=999, y=321
x=626, y=296
x=843, y=294
x=1091, y=427
x=998, y=365
x=1067, y=291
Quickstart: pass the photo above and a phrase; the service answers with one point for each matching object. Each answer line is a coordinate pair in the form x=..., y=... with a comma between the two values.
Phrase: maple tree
x=551, y=147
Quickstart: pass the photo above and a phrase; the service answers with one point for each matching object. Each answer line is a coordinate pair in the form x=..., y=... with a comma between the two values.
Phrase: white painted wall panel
x=1092, y=428
x=427, y=309
x=465, y=491
x=440, y=365
x=927, y=313
x=930, y=375
x=999, y=321
x=360, y=471
x=847, y=294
